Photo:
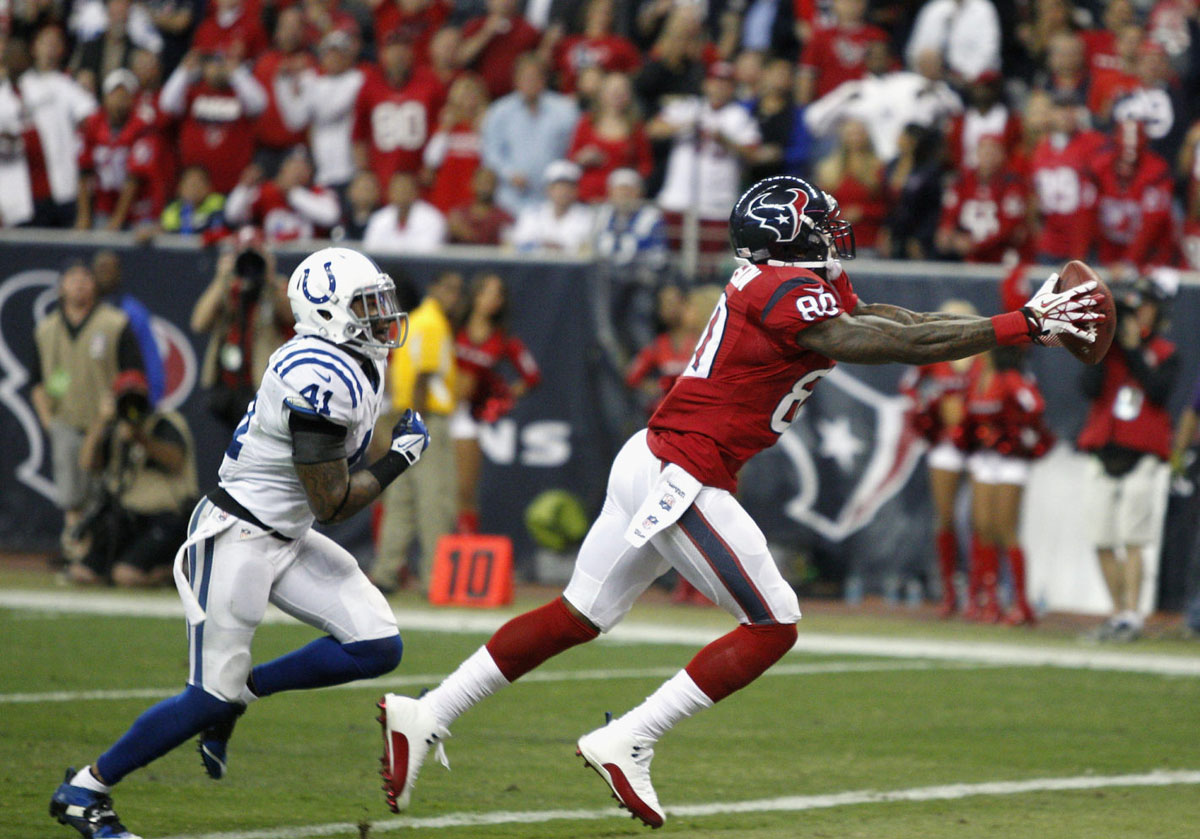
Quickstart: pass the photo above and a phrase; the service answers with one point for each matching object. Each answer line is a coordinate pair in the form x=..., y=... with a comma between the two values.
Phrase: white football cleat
x=409, y=730
x=623, y=761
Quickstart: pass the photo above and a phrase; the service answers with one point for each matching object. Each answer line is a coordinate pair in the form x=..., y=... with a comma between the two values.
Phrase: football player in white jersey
x=251, y=540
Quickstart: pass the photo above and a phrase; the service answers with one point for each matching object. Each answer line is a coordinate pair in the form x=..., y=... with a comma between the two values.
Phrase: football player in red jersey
x=1063, y=185
x=786, y=317
x=1133, y=209
x=983, y=211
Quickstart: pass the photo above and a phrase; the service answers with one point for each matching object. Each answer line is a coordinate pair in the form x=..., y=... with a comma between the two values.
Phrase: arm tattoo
x=333, y=493
x=874, y=340
x=900, y=315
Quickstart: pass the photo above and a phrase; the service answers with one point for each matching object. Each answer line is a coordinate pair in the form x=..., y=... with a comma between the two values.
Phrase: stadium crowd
x=959, y=129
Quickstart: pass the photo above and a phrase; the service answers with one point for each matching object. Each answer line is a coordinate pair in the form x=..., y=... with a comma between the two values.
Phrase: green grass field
x=302, y=764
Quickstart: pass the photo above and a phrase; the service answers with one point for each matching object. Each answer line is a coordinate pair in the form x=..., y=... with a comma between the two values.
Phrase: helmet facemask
x=377, y=323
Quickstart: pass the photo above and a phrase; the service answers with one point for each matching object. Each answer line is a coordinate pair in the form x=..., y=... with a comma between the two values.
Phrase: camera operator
x=1128, y=434
x=147, y=468
x=246, y=314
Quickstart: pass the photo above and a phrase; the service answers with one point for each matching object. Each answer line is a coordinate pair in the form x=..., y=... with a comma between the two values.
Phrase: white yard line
x=419, y=680
x=788, y=804
x=993, y=653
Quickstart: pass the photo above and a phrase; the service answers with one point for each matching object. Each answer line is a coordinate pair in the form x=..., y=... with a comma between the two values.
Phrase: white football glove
x=1052, y=314
x=410, y=437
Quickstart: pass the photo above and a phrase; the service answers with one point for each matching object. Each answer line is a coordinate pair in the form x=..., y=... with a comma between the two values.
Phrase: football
x=1074, y=273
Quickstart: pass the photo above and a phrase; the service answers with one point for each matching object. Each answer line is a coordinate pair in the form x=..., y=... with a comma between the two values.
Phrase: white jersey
x=313, y=377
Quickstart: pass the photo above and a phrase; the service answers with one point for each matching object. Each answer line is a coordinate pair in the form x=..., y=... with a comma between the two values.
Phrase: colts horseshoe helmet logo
x=782, y=218
x=318, y=297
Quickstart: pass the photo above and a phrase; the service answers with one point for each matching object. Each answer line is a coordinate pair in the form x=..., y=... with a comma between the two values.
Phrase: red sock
x=1016, y=565
x=989, y=570
x=947, y=548
x=529, y=639
x=974, y=572
x=735, y=660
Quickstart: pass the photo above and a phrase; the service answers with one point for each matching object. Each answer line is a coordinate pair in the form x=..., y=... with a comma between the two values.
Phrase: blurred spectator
x=1050, y=17
x=1065, y=192
x=362, y=200
x=1103, y=51
x=1128, y=435
x=492, y=44
x=1133, y=209
x=1158, y=101
x=416, y=20
x=91, y=20
x=286, y=58
x=985, y=210
x=1168, y=24
x=175, y=21
x=110, y=49
x=1006, y=431
x=56, y=105
x=106, y=268
x=937, y=414
x=420, y=506
x=232, y=27
x=145, y=461
x=965, y=33
x=81, y=346
x=854, y=173
x=286, y=207
x=1037, y=120
x=658, y=364
x=914, y=195
x=197, y=209
x=16, y=187
x=325, y=103
x=481, y=346
x=887, y=101
x=441, y=69
x=394, y=113
x=597, y=46
x=406, y=224
x=837, y=53
x=712, y=137
x=1117, y=76
x=480, y=221
x=324, y=17
x=247, y=317
x=767, y=26
x=147, y=69
x=524, y=132
x=1066, y=72
x=609, y=137
x=215, y=100
x=675, y=66
x=119, y=162
x=561, y=222
x=986, y=114
x=786, y=145
x=455, y=150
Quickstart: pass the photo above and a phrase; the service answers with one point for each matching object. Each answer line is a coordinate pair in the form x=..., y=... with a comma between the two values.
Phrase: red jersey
x=395, y=123
x=1066, y=194
x=992, y=212
x=748, y=376
x=452, y=178
x=496, y=61
x=663, y=358
x=1107, y=86
x=269, y=128
x=216, y=133
x=871, y=201
x=1134, y=214
x=114, y=156
x=1004, y=415
x=929, y=386
x=417, y=26
x=632, y=152
x=486, y=227
x=489, y=397
x=962, y=137
x=246, y=31
x=838, y=54
x=576, y=53
x=274, y=214
x=1122, y=415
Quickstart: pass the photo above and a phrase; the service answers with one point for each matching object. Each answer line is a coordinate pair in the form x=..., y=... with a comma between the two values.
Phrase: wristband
x=388, y=468
x=1011, y=328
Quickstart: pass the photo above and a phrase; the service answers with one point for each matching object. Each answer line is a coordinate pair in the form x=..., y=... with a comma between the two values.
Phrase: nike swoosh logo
x=324, y=378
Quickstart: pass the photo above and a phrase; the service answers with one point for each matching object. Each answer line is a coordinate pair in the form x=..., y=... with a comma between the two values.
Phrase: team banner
x=844, y=491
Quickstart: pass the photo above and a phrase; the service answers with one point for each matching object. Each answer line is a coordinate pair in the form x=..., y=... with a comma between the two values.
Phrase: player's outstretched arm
x=870, y=339
x=898, y=314
x=318, y=453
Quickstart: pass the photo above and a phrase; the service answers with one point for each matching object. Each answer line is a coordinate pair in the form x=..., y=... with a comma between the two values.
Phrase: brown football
x=1075, y=273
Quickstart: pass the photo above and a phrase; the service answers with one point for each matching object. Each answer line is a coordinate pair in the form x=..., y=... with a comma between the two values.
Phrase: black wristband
x=388, y=468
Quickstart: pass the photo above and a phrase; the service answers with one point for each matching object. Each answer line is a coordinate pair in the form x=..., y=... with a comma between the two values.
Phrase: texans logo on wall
x=26, y=298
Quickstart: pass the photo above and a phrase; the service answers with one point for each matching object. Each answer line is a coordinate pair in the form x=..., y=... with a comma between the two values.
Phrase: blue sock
x=325, y=662
x=160, y=729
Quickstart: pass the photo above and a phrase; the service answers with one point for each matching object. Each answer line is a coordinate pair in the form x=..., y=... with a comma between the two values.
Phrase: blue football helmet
x=787, y=219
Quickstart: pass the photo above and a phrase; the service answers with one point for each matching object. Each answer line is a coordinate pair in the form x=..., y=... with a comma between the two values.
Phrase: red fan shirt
x=1066, y=194
x=632, y=152
x=269, y=129
x=497, y=60
x=452, y=178
x=416, y=26
x=992, y=212
x=838, y=54
x=395, y=123
x=1121, y=414
x=748, y=376
x=216, y=132
x=245, y=32
x=1133, y=214
x=114, y=156
x=576, y=53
